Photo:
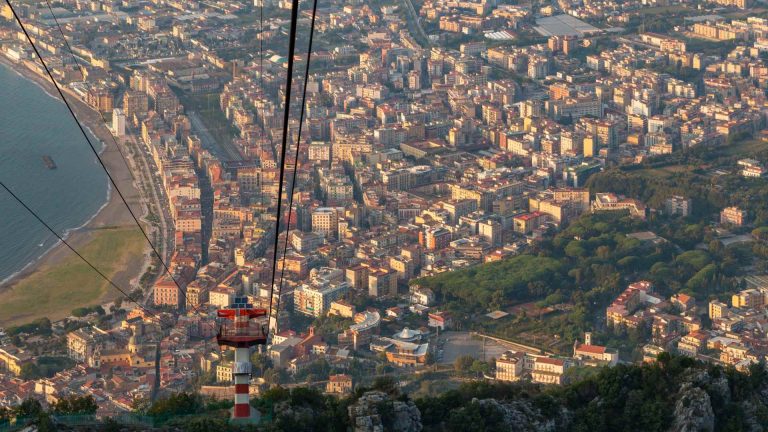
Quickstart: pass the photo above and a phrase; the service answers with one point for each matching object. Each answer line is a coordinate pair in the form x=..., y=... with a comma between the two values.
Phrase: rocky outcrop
x=693, y=410
x=375, y=411
x=294, y=414
x=521, y=415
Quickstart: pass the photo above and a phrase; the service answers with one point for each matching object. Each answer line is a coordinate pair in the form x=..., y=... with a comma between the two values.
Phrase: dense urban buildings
x=529, y=185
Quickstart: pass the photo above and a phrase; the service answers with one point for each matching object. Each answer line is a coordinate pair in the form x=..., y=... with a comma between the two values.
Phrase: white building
x=118, y=122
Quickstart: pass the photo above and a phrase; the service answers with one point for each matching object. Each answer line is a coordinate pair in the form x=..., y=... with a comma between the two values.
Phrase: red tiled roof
x=592, y=349
x=552, y=361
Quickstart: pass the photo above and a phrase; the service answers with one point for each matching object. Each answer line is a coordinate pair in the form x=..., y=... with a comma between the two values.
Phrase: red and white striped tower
x=239, y=332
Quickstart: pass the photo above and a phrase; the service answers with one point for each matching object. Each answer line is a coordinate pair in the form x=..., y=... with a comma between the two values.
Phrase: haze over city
x=386, y=215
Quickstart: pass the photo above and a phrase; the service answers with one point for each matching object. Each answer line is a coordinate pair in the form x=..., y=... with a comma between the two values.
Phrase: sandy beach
x=113, y=215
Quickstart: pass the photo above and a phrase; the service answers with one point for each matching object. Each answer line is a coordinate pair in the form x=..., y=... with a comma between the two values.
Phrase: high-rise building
x=315, y=299
x=677, y=205
x=135, y=103
x=118, y=122
x=490, y=230
x=325, y=221
x=435, y=238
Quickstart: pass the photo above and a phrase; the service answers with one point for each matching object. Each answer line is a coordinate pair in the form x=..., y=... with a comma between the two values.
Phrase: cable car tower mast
x=239, y=330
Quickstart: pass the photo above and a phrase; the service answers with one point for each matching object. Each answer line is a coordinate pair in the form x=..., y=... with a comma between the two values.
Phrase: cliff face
x=521, y=415
x=693, y=411
x=694, y=401
x=375, y=411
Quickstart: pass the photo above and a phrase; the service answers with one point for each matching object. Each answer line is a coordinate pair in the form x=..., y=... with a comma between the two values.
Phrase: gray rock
x=693, y=410
x=375, y=411
x=521, y=415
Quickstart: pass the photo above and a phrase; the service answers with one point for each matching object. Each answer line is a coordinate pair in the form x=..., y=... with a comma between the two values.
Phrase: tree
x=45, y=424
x=575, y=250
x=141, y=404
x=463, y=363
x=204, y=424
x=261, y=361
x=477, y=417
x=29, y=408
x=76, y=405
x=715, y=247
x=80, y=312
x=272, y=376
x=387, y=384
x=30, y=371
x=176, y=404
x=380, y=368
x=479, y=367
x=760, y=233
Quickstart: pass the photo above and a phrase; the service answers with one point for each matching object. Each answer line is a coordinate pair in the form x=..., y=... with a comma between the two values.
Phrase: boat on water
x=49, y=163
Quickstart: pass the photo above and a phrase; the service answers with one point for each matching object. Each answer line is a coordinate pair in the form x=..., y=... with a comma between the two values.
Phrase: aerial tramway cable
x=79, y=255
x=80, y=69
x=82, y=74
x=151, y=313
x=298, y=146
x=93, y=148
x=272, y=320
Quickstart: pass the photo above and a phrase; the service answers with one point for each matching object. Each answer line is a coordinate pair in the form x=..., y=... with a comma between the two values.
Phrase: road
x=148, y=175
x=223, y=151
x=206, y=208
x=458, y=344
x=632, y=41
x=414, y=22
x=515, y=346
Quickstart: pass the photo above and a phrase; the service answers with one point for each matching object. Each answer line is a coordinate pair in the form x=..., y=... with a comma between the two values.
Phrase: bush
x=74, y=405
x=463, y=363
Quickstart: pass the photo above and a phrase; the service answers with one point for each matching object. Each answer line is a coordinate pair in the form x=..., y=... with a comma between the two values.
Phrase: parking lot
x=456, y=344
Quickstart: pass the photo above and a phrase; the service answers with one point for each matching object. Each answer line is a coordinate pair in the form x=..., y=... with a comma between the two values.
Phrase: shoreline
x=112, y=212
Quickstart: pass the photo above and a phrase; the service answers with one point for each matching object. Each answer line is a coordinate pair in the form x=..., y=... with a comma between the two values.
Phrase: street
x=222, y=151
x=148, y=175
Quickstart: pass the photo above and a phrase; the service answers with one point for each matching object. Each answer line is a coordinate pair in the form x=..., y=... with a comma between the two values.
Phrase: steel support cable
x=93, y=148
x=261, y=44
x=296, y=157
x=286, y=116
x=103, y=119
x=82, y=74
x=103, y=276
x=79, y=255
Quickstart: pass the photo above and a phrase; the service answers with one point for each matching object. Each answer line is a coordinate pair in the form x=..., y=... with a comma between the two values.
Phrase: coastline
x=111, y=214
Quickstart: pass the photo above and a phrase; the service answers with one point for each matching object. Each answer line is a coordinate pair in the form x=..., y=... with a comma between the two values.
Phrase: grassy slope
x=55, y=290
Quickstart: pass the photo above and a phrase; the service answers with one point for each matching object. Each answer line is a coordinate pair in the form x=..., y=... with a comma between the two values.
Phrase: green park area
x=560, y=287
x=57, y=288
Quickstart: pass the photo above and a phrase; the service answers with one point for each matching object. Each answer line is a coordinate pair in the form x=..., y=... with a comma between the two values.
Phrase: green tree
x=463, y=363
x=29, y=408
x=479, y=367
x=30, y=371
x=176, y=404
x=75, y=405
x=760, y=233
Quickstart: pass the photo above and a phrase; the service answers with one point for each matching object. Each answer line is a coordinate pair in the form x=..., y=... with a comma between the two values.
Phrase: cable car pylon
x=241, y=331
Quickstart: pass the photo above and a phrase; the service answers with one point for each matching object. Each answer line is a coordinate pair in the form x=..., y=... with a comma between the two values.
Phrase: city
x=424, y=197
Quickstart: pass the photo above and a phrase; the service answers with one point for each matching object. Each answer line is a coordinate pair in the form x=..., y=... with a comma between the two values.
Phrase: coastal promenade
x=112, y=218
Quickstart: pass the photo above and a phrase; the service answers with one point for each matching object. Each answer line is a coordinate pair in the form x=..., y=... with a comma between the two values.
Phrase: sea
x=34, y=124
